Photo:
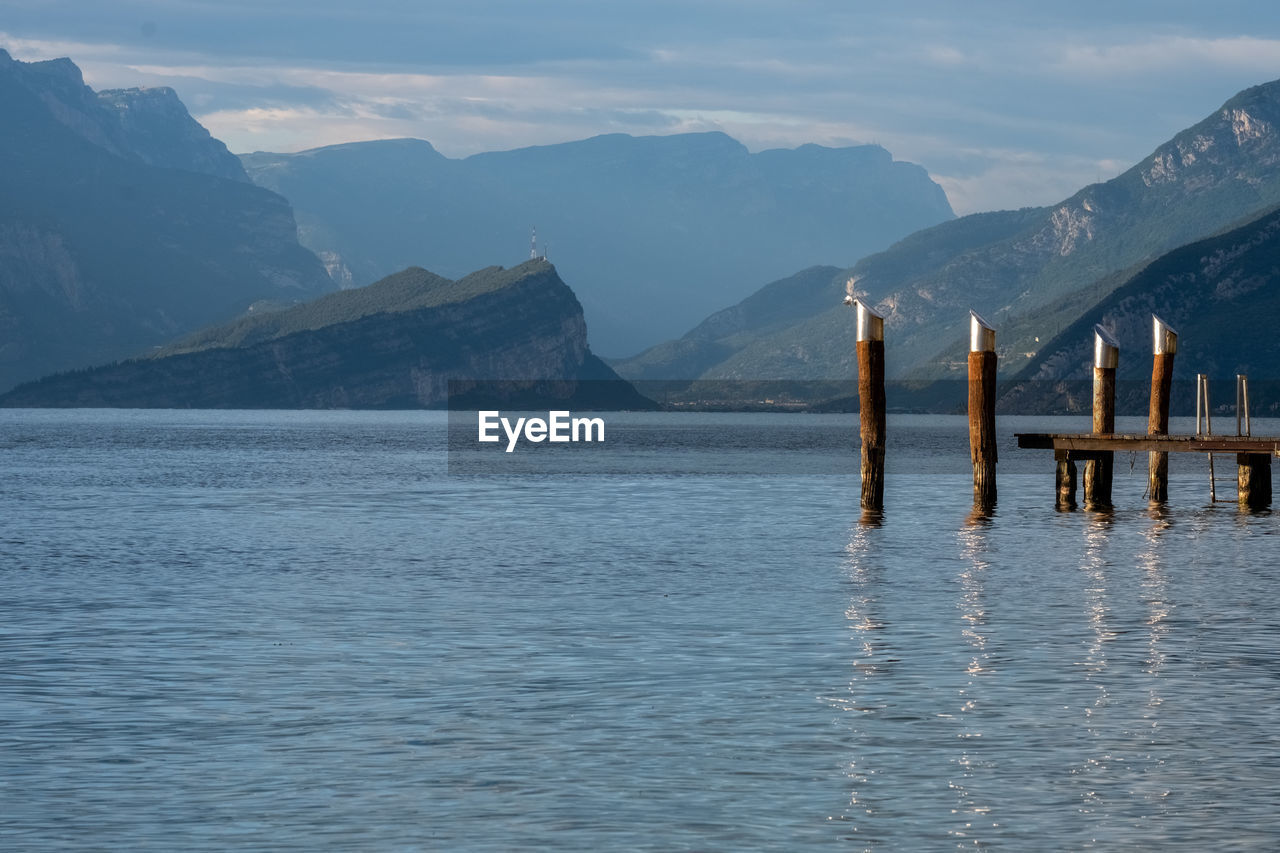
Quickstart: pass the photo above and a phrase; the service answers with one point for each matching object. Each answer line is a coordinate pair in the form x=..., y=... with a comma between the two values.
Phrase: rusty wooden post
x=1253, y=470
x=1163, y=348
x=1066, y=481
x=871, y=405
x=1253, y=480
x=1098, y=470
x=982, y=411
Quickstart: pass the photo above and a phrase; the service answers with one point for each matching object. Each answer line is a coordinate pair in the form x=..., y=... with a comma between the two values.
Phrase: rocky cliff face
x=146, y=125
x=159, y=131
x=1222, y=295
x=395, y=344
x=115, y=234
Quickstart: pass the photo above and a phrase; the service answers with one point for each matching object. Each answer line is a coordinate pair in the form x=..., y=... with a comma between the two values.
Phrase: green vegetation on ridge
x=407, y=290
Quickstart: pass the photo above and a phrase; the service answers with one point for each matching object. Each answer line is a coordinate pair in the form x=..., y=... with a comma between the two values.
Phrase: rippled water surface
x=300, y=631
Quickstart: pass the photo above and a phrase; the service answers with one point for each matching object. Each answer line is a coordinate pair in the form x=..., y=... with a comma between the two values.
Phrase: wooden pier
x=1253, y=455
x=1089, y=445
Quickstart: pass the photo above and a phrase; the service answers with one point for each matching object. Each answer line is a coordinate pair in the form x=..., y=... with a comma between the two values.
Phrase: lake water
x=309, y=630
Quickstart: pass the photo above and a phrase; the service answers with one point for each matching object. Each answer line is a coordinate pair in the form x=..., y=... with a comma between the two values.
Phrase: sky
x=1007, y=104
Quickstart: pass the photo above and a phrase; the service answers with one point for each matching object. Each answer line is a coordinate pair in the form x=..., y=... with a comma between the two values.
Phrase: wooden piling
x=1098, y=471
x=1253, y=470
x=871, y=404
x=982, y=411
x=1066, y=482
x=1253, y=480
x=1164, y=346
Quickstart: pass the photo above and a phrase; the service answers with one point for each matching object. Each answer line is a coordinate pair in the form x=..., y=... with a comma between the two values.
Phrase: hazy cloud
x=1246, y=53
x=1008, y=104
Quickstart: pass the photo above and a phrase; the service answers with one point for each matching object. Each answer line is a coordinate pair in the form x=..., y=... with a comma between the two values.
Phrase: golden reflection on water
x=975, y=547
x=973, y=611
x=870, y=651
x=1155, y=592
x=1155, y=587
x=1094, y=665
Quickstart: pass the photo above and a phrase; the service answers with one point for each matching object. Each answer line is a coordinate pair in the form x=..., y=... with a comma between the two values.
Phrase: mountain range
x=123, y=224
x=655, y=232
x=1031, y=272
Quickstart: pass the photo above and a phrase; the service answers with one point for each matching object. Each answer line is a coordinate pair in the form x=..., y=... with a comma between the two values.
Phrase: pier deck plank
x=1089, y=442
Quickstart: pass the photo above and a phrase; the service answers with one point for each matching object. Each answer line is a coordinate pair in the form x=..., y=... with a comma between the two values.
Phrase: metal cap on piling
x=870, y=324
x=1164, y=340
x=1106, y=351
x=982, y=335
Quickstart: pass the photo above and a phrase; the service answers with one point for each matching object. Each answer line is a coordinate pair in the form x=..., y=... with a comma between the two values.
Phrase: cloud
x=1013, y=179
x=1159, y=55
x=945, y=55
x=1007, y=105
x=33, y=49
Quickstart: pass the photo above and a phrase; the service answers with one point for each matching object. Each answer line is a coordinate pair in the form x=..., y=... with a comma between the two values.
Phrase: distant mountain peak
x=150, y=125
x=121, y=228
x=160, y=131
x=61, y=68
x=402, y=143
x=123, y=98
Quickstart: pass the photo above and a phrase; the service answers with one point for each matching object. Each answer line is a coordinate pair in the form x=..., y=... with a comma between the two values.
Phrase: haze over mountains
x=123, y=224
x=653, y=232
x=1032, y=272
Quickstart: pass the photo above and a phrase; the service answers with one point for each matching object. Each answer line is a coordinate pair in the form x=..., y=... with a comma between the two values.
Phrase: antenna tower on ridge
x=533, y=245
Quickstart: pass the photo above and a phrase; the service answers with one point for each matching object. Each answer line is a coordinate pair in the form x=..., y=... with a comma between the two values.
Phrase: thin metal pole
x=1245, y=383
x=1239, y=401
x=1208, y=408
x=1199, y=401
x=1208, y=430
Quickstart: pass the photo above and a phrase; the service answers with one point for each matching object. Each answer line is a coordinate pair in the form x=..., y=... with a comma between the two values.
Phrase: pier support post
x=982, y=411
x=1066, y=482
x=1253, y=480
x=871, y=404
x=1164, y=346
x=1098, y=471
